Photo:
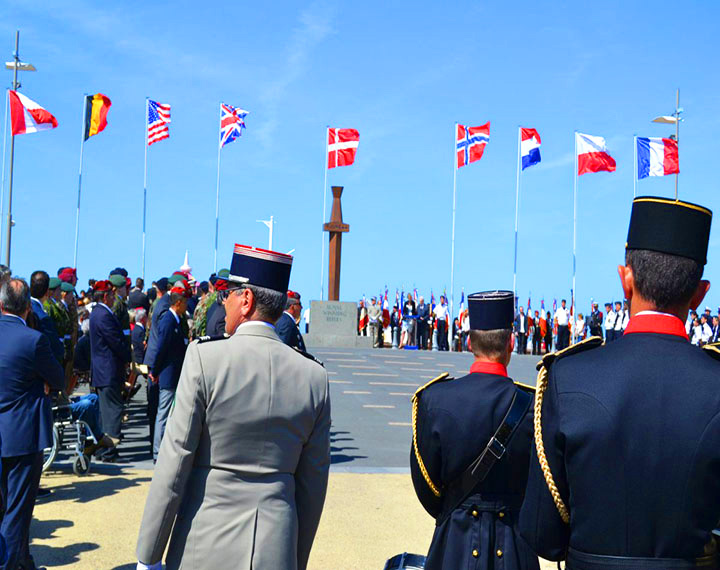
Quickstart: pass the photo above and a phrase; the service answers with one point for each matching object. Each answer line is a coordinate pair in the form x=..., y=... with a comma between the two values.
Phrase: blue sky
x=400, y=73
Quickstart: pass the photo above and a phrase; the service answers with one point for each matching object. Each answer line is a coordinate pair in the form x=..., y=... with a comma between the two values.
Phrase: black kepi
x=260, y=267
x=491, y=310
x=670, y=226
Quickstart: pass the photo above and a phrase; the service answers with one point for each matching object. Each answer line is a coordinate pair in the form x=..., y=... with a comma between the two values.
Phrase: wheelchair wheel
x=50, y=453
x=81, y=465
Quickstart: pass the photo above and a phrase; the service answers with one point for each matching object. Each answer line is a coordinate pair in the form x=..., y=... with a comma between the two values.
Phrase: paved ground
x=371, y=511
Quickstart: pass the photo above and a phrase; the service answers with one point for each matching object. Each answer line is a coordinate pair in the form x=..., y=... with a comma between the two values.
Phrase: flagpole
x=8, y=229
x=217, y=200
x=452, y=241
x=82, y=145
x=575, y=185
x=635, y=168
x=517, y=205
x=677, y=135
x=2, y=182
x=145, y=188
x=322, y=230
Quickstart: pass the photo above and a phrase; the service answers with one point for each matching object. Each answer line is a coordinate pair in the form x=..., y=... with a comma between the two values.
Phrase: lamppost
x=16, y=65
x=269, y=223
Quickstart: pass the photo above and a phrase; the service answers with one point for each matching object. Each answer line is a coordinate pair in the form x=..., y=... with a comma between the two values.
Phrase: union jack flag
x=232, y=122
x=158, y=116
x=470, y=143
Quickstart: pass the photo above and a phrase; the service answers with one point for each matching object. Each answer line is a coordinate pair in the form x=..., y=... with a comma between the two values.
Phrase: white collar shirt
x=563, y=316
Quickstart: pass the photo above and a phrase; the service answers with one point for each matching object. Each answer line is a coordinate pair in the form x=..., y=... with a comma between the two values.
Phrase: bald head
x=15, y=297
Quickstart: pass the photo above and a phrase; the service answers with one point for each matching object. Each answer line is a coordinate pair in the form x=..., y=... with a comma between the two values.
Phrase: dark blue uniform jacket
x=632, y=435
x=216, y=320
x=171, y=347
x=109, y=348
x=26, y=363
x=455, y=421
x=289, y=333
x=138, y=343
x=162, y=305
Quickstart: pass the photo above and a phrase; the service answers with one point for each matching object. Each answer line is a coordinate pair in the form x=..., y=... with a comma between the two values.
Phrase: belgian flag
x=96, y=110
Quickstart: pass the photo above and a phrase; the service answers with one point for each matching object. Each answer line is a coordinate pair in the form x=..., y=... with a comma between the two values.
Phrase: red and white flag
x=27, y=116
x=592, y=154
x=342, y=146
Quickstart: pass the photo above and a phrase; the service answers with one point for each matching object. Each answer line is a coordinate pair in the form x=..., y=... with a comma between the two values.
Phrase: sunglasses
x=223, y=295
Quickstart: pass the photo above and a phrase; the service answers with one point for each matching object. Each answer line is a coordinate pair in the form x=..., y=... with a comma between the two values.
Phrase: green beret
x=175, y=277
x=224, y=274
x=67, y=287
x=117, y=280
x=54, y=283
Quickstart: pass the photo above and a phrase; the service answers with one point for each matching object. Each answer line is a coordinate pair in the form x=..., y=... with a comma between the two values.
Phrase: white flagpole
x=635, y=167
x=82, y=146
x=2, y=183
x=574, y=291
x=517, y=205
x=147, y=106
x=217, y=199
x=452, y=241
x=322, y=231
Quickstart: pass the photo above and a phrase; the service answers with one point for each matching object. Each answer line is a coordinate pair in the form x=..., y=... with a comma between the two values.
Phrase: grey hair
x=15, y=296
x=85, y=326
x=4, y=273
x=269, y=303
x=140, y=314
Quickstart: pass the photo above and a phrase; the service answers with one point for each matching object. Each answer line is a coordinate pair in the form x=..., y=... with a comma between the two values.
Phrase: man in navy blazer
x=39, y=286
x=171, y=346
x=110, y=353
x=28, y=369
x=286, y=326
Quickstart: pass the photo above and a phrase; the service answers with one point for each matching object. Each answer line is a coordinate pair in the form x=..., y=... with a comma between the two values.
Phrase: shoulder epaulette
x=211, y=338
x=577, y=348
x=713, y=350
x=308, y=356
x=542, y=382
x=525, y=387
x=435, y=490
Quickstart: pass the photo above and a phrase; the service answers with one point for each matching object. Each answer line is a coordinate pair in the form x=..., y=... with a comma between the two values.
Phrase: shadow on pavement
x=335, y=456
x=45, y=555
x=84, y=490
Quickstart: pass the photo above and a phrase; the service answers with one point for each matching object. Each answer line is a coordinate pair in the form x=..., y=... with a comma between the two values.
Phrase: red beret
x=103, y=286
x=128, y=282
x=293, y=297
x=182, y=288
x=221, y=285
x=67, y=274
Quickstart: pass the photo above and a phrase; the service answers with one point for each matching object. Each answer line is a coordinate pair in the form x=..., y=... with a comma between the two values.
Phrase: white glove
x=156, y=566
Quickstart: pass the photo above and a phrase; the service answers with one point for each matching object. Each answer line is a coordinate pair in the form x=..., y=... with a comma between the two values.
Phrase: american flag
x=158, y=121
x=232, y=121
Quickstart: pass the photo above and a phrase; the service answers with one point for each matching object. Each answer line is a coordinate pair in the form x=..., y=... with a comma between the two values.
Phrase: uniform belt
x=583, y=561
x=493, y=503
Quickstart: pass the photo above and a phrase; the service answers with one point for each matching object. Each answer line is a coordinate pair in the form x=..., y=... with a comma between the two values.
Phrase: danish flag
x=342, y=146
x=470, y=143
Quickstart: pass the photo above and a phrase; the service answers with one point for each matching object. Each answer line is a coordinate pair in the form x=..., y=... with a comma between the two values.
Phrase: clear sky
x=400, y=73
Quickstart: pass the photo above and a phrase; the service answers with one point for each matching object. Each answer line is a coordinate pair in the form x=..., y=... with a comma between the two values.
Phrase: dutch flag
x=529, y=147
x=657, y=157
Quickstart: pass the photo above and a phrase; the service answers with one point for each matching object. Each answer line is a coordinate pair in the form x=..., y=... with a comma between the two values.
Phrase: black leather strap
x=458, y=490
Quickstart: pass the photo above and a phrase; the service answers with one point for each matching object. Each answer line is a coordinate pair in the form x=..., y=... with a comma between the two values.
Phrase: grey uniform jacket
x=243, y=467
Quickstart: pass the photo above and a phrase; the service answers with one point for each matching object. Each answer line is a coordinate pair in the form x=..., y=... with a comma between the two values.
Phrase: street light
x=16, y=65
x=269, y=223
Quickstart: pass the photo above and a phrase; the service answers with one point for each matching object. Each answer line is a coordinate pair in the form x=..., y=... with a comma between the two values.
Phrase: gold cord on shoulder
x=542, y=382
x=421, y=463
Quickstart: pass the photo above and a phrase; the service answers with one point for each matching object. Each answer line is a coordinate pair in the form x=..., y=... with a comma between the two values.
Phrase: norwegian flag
x=470, y=143
x=342, y=146
x=232, y=122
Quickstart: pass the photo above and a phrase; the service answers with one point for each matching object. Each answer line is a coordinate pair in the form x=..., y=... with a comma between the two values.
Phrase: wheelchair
x=69, y=435
x=405, y=561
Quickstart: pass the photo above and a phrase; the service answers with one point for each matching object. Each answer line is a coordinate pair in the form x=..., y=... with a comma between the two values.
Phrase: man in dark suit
x=39, y=293
x=158, y=309
x=138, y=335
x=28, y=369
x=627, y=434
x=137, y=298
x=110, y=354
x=171, y=346
x=286, y=326
x=423, y=316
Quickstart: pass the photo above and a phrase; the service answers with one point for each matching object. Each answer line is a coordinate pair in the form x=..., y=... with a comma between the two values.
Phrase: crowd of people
x=113, y=336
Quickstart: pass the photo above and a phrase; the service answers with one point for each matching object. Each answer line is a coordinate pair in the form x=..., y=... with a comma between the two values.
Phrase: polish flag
x=27, y=116
x=657, y=157
x=342, y=146
x=592, y=154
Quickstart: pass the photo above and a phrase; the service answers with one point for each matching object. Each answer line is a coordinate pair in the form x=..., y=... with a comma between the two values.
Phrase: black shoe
x=43, y=494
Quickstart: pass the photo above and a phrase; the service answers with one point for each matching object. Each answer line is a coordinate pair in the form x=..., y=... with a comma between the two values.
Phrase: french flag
x=529, y=147
x=592, y=154
x=657, y=157
x=27, y=116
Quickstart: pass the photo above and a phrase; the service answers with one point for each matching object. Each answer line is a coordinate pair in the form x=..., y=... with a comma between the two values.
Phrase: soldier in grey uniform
x=242, y=472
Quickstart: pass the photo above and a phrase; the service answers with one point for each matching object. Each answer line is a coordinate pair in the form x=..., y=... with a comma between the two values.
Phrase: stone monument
x=334, y=323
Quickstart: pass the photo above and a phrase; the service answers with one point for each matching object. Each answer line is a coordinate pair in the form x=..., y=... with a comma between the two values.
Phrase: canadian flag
x=342, y=146
x=27, y=116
